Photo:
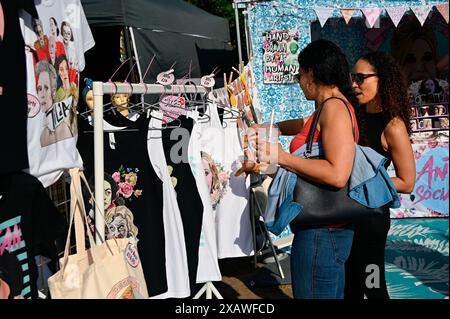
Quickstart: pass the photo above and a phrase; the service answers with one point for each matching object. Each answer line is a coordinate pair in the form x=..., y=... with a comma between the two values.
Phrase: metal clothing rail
x=99, y=89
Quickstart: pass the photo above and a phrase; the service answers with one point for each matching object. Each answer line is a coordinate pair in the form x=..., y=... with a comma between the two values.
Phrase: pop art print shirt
x=55, y=45
x=27, y=228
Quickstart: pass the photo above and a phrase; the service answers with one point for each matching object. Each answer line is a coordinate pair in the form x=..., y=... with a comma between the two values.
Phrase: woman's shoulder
x=395, y=127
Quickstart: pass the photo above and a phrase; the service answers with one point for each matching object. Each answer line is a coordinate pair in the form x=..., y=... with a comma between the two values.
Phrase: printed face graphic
x=53, y=27
x=108, y=194
x=118, y=228
x=429, y=85
x=208, y=174
x=66, y=33
x=44, y=91
x=39, y=30
x=419, y=63
x=63, y=72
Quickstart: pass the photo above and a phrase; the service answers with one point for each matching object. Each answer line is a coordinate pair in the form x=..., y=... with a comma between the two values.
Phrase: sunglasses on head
x=359, y=78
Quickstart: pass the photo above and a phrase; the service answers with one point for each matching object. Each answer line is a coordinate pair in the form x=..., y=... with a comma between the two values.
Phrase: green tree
x=224, y=9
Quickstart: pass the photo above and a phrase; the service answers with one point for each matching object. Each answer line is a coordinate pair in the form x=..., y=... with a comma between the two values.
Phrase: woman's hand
x=269, y=154
x=256, y=129
x=249, y=165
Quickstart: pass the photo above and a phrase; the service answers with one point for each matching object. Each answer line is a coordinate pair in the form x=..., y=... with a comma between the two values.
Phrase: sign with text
x=430, y=195
x=280, y=56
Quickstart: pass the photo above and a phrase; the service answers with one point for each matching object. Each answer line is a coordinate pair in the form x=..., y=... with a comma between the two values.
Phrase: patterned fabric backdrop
x=287, y=100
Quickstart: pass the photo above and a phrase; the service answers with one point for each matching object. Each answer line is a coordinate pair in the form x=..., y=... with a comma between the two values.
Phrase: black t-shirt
x=375, y=125
x=130, y=175
x=188, y=197
x=29, y=226
x=13, y=87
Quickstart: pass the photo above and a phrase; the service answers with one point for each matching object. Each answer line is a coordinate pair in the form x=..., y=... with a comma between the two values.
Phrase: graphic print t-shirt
x=27, y=228
x=55, y=45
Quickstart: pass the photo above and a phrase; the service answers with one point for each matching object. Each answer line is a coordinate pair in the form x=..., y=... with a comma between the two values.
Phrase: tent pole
x=238, y=33
x=247, y=40
x=133, y=42
x=99, y=206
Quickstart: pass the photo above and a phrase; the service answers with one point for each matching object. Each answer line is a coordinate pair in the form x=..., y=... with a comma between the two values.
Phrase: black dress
x=369, y=239
x=176, y=141
x=135, y=185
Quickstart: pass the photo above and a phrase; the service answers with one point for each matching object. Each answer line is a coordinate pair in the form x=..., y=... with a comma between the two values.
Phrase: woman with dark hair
x=69, y=45
x=318, y=253
x=384, y=119
x=54, y=30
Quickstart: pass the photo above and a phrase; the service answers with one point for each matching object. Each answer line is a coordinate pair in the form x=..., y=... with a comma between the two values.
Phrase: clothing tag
x=165, y=78
x=112, y=141
x=208, y=81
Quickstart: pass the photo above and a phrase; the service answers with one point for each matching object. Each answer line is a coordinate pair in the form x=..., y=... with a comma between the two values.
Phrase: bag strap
x=312, y=129
x=77, y=212
x=83, y=178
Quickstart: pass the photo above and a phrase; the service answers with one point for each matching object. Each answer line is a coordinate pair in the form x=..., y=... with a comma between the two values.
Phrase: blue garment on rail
x=369, y=185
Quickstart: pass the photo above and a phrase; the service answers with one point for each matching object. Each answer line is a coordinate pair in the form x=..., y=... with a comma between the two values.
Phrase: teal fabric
x=417, y=258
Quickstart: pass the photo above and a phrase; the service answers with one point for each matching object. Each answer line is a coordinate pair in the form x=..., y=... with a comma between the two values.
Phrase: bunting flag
x=372, y=15
x=443, y=10
x=396, y=13
x=348, y=13
x=323, y=13
x=421, y=12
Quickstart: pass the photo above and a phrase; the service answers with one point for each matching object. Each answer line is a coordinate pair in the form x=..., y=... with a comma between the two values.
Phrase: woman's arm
x=400, y=149
x=339, y=147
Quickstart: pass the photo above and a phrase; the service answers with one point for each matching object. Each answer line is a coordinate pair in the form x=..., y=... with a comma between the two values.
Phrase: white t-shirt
x=208, y=265
x=176, y=258
x=53, y=86
x=233, y=225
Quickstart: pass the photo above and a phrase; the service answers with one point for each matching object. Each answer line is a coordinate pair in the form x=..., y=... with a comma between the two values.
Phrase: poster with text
x=430, y=195
x=280, y=56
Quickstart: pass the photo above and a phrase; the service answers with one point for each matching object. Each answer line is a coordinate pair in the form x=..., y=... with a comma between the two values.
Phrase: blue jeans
x=317, y=262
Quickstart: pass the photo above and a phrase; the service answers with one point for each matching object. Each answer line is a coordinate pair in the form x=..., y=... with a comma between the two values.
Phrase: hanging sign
x=280, y=53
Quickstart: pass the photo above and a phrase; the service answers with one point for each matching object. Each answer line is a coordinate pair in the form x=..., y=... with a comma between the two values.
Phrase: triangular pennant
x=421, y=12
x=372, y=15
x=443, y=10
x=396, y=13
x=347, y=14
x=323, y=13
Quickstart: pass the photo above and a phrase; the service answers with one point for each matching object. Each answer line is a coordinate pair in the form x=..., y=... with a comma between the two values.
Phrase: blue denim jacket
x=369, y=184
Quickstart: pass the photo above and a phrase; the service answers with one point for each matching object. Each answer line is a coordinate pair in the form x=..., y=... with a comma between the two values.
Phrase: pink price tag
x=207, y=81
x=165, y=78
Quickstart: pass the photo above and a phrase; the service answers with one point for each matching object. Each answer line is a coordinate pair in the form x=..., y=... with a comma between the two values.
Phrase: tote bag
x=111, y=270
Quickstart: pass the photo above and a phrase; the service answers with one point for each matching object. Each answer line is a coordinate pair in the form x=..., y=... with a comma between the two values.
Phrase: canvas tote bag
x=111, y=270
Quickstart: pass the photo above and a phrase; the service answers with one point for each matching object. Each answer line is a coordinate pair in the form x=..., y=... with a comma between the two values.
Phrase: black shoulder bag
x=322, y=204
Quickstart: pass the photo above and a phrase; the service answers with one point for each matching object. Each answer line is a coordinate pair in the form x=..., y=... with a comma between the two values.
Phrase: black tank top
x=375, y=125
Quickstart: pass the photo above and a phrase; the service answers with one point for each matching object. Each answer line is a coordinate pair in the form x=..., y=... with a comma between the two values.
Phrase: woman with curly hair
x=384, y=122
